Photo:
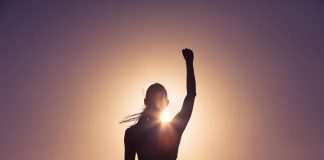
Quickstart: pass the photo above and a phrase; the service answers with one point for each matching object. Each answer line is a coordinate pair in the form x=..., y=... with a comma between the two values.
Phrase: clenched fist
x=188, y=54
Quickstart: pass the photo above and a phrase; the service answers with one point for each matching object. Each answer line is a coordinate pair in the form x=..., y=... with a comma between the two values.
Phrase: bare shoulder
x=129, y=135
x=129, y=131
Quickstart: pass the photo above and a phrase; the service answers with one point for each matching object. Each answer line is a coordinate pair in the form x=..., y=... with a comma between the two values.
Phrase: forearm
x=191, y=81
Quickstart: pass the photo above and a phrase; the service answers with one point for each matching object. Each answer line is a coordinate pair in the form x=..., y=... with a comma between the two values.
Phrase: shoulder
x=129, y=132
x=129, y=135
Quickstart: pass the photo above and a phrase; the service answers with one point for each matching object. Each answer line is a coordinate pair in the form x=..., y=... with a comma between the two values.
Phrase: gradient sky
x=70, y=71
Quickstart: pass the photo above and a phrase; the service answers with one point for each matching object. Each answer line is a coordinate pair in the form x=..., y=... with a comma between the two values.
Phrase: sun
x=165, y=117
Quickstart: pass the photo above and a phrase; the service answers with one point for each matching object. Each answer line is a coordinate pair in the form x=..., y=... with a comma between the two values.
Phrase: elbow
x=192, y=94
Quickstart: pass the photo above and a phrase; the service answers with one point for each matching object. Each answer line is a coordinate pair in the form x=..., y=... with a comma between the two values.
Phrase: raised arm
x=191, y=82
x=182, y=118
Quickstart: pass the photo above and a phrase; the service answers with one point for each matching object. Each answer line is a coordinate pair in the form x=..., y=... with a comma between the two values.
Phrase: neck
x=151, y=115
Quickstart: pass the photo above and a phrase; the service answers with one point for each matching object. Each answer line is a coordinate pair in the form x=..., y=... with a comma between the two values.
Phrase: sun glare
x=165, y=116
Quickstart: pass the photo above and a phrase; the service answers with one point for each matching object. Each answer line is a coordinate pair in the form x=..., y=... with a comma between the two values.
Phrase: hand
x=188, y=54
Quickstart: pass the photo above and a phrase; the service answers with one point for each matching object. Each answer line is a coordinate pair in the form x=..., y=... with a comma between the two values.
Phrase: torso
x=155, y=141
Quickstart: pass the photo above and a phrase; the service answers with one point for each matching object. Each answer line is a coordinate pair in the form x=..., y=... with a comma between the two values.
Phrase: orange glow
x=71, y=72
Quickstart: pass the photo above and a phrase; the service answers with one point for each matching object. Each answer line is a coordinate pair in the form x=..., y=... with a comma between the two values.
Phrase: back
x=158, y=141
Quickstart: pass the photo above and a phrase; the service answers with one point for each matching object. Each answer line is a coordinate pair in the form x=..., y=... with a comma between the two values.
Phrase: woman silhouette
x=151, y=139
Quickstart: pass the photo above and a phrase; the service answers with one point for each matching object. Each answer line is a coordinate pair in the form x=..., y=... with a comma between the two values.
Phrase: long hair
x=142, y=116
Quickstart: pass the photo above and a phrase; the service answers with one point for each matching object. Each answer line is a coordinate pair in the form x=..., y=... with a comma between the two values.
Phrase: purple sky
x=70, y=71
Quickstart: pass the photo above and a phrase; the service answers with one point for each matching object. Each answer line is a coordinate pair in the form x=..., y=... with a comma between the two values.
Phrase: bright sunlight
x=165, y=116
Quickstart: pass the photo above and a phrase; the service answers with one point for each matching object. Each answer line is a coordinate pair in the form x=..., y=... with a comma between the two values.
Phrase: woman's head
x=155, y=101
x=156, y=97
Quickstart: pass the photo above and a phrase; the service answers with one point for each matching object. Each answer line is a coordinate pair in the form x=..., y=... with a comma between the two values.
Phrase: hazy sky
x=70, y=71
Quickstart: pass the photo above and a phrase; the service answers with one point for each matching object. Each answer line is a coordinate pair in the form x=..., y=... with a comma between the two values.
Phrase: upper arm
x=129, y=147
x=181, y=120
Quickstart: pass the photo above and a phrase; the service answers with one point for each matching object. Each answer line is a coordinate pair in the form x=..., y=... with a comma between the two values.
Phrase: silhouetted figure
x=149, y=137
